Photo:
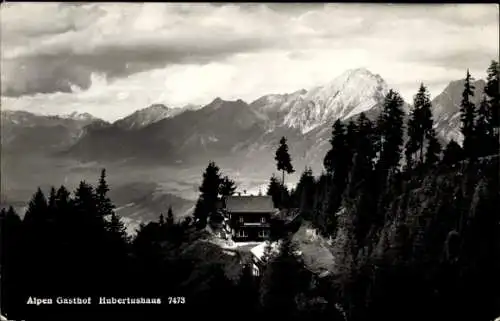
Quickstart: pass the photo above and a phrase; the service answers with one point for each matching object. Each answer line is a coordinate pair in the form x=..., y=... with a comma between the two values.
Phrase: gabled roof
x=250, y=204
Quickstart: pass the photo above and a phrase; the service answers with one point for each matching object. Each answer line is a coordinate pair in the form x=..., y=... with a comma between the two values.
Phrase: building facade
x=248, y=218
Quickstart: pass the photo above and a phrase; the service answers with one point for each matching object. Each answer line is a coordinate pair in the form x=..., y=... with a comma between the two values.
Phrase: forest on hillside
x=414, y=228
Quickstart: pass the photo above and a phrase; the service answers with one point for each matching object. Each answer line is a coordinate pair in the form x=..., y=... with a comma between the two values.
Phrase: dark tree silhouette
x=283, y=159
x=104, y=205
x=493, y=93
x=170, y=217
x=227, y=186
x=209, y=194
x=433, y=152
x=390, y=129
x=274, y=189
x=452, y=154
x=467, y=116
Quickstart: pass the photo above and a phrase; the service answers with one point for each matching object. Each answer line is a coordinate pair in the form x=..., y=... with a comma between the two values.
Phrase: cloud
x=190, y=53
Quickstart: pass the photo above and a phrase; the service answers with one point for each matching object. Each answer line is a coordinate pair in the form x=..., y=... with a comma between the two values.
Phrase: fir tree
x=419, y=126
x=283, y=159
x=467, y=116
x=52, y=203
x=170, y=217
x=483, y=131
x=390, y=129
x=37, y=212
x=304, y=193
x=452, y=154
x=274, y=189
x=209, y=192
x=334, y=160
x=62, y=198
x=104, y=205
x=433, y=152
x=227, y=187
x=117, y=228
x=493, y=93
x=364, y=152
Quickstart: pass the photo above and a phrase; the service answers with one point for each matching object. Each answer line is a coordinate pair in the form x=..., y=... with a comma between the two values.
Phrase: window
x=242, y=233
x=241, y=219
x=263, y=219
x=263, y=233
x=255, y=270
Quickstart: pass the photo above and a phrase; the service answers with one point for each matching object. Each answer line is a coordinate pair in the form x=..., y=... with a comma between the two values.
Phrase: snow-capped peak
x=78, y=116
x=146, y=116
x=353, y=92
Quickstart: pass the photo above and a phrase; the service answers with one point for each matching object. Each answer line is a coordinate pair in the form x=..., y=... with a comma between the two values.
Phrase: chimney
x=239, y=193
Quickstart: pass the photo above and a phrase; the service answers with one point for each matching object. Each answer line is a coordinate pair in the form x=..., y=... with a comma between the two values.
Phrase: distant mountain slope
x=353, y=92
x=210, y=132
x=24, y=132
x=446, y=109
x=146, y=116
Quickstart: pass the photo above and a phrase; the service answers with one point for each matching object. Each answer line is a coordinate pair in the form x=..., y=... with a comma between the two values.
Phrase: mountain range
x=239, y=136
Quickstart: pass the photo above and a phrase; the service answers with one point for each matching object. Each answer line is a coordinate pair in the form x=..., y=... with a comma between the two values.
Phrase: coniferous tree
x=365, y=152
x=420, y=125
x=483, y=131
x=274, y=189
x=104, y=205
x=334, y=160
x=433, y=152
x=412, y=144
x=227, y=187
x=62, y=198
x=52, y=202
x=493, y=93
x=304, y=193
x=351, y=140
x=452, y=154
x=283, y=160
x=170, y=217
x=209, y=194
x=117, y=228
x=390, y=130
x=37, y=211
x=337, y=163
x=467, y=116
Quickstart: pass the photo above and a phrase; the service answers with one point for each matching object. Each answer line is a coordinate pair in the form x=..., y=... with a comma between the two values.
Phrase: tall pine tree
x=227, y=187
x=104, y=205
x=467, y=116
x=209, y=194
x=420, y=126
x=283, y=159
x=452, y=154
x=390, y=130
x=492, y=91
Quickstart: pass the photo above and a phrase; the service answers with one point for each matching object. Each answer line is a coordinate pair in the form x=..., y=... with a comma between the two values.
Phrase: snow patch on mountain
x=79, y=116
x=353, y=92
x=146, y=116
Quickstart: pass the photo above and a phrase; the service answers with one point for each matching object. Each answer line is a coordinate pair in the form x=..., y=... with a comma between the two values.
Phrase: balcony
x=256, y=224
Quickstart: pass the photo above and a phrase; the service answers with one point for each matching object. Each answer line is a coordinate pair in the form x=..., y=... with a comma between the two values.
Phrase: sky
x=112, y=59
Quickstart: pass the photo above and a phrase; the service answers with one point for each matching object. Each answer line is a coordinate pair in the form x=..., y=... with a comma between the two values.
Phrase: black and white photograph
x=286, y=161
